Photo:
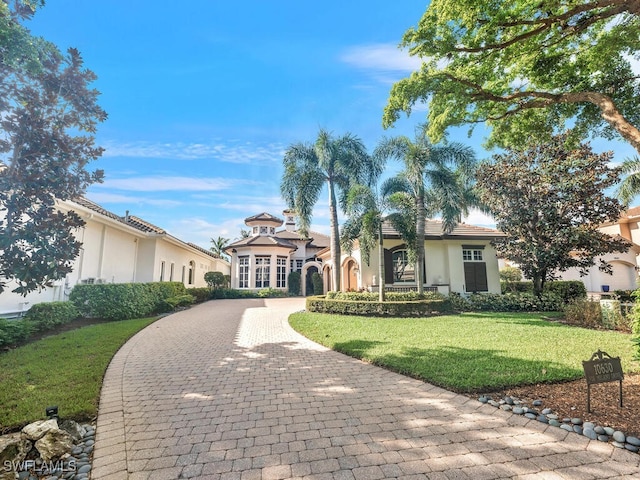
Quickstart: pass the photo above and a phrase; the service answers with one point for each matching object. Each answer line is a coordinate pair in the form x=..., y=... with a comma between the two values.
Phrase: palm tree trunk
x=335, y=237
x=381, y=272
x=420, y=222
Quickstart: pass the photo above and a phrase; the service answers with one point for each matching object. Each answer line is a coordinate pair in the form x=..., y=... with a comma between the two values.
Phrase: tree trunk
x=335, y=236
x=381, y=273
x=538, y=284
x=420, y=222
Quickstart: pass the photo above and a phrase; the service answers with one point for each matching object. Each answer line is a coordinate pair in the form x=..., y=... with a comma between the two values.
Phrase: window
x=272, y=230
x=184, y=271
x=192, y=271
x=243, y=274
x=263, y=230
x=162, y=267
x=403, y=271
x=255, y=230
x=472, y=255
x=171, y=269
x=263, y=271
x=281, y=272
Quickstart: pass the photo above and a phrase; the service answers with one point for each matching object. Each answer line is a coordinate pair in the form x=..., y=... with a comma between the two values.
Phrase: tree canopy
x=49, y=117
x=550, y=201
x=525, y=68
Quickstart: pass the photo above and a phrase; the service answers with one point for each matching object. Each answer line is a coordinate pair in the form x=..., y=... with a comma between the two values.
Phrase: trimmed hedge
x=415, y=308
x=47, y=315
x=506, y=302
x=179, y=301
x=201, y=294
x=567, y=290
x=390, y=296
x=121, y=301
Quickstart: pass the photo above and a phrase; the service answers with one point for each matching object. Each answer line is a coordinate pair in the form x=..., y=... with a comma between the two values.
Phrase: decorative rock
x=530, y=415
x=89, y=442
x=603, y=438
x=631, y=448
x=74, y=429
x=506, y=407
x=589, y=425
x=566, y=427
x=635, y=441
x=13, y=448
x=36, y=430
x=590, y=433
x=84, y=469
x=54, y=444
x=537, y=403
x=552, y=416
x=609, y=431
x=508, y=400
x=518, y=410
x=554, y=423
x=576, y=421
x=577, y=429
x=617, y=444
x=566, y=420
x=619, y=437
x=599, y=430
x=494, y=403
x=547, y=411
x=483, y=399
x=542, y=419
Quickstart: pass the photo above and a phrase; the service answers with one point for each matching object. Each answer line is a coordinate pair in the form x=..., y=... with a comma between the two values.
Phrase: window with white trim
x=281, y=272
x=403, y=270
x=472, y=255
x=243, y=272
x=263, y=271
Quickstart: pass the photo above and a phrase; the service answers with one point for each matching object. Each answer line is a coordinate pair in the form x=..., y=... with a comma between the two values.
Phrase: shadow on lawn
x=462, y=370
x=535, y=320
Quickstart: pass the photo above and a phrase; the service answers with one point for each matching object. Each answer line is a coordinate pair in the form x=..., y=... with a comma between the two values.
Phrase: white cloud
x=104, y=197
x=172, y=183
x=242, y=153
x=381, y=57
x=476, y=217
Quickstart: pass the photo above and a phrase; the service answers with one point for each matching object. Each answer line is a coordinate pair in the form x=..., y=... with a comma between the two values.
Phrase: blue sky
x=205, y=96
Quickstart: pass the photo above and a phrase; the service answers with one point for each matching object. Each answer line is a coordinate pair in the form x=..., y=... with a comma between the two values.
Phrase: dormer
x=263, y=224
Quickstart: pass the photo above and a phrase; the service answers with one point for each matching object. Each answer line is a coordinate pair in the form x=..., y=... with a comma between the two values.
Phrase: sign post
x=604, y=368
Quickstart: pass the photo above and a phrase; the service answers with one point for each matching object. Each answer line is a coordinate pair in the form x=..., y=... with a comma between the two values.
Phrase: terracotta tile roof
x=317, y=239
x=96, y=208
x=203, y=250
x=262, y=241
x=142, y=225
x=433, y=231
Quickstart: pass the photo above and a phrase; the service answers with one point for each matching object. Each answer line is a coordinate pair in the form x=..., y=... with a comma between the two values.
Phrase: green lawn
x=469, y=352
x=64, y=370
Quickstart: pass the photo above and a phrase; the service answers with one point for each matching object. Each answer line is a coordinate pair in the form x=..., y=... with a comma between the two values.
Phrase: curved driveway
x=227, y=390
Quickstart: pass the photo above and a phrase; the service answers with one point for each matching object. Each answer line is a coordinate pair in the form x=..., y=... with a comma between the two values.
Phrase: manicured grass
x=65, y=370
x=468, y=352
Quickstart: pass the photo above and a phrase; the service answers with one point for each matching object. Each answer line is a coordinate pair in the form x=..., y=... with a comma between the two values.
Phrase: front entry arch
x=350, y=271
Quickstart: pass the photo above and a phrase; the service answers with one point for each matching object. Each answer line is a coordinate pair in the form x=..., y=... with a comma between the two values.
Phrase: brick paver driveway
x=227, y=390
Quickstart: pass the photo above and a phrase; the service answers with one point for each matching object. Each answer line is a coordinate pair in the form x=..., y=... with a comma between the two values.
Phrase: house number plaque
x=602, y=368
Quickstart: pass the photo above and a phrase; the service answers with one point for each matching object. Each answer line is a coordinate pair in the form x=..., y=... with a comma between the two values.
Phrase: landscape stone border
x=577, y=425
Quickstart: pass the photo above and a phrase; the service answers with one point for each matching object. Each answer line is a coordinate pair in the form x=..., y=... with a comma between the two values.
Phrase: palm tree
x=630, y=186
x=218, y=245
x=338, y=162
x=435, y=179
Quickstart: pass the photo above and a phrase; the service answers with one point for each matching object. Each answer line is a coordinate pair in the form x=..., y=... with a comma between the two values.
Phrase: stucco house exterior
x=121, y=249
x=463, y=261
x=269, y=254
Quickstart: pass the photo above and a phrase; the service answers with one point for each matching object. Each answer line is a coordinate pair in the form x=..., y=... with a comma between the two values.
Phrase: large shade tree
x=435, y=180
x=550, y=201
x=49, y=118
x=334, y=162
x=526, y=68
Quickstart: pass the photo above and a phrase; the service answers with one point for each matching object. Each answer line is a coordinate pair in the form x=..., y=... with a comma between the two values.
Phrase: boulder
x=13, y=450
x=54, y=444
x=74, y=429
x=36, y=430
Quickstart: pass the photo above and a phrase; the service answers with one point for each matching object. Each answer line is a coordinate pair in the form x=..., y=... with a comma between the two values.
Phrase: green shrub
x=179, y=301
x=565, y=290
x=318, y=287
x=120, y=301
x=231, y=293
x=390, y=296
x=47, y=315
x=201, y=294
x=635, y=322
x=14, y=332
x=215, y=280
x=294, y=282
x=510, y=274
x=416, y=308
x=506, y=302
x=271, y=293
x=624, y=296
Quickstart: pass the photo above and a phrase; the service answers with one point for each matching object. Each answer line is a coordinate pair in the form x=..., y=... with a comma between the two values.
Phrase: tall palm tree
x=218, y=245
x=366, y=209
x=630, y=186
x=337, y=162
x=435, y=179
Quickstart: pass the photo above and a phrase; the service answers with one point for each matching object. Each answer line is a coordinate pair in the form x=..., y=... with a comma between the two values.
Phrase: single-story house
x=121, y=249
x=462, y=261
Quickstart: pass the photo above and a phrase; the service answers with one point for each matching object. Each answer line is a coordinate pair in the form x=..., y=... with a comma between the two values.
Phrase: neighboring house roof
x=433, y=231
x=315, y=239
x=140, y=225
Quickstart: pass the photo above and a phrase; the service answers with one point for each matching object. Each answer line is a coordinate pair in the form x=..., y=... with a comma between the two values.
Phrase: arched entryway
x=308, y=289
x=350, y=271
